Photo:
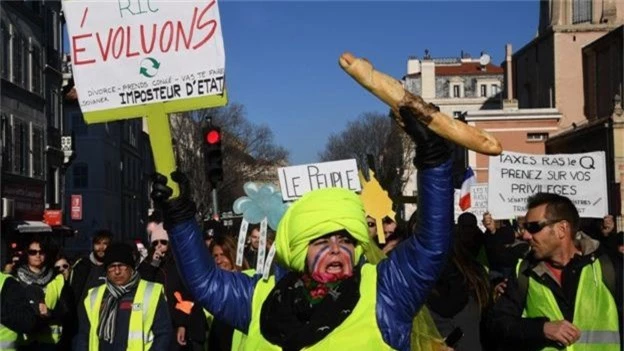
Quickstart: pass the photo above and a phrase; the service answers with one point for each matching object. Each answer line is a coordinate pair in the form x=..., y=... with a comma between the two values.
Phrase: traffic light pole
x=215, y=203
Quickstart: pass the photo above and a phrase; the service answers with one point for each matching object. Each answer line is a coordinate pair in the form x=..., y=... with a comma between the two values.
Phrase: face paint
x=331, y=259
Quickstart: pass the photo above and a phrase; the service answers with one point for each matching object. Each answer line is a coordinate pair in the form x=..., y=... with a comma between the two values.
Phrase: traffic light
x=213, y=156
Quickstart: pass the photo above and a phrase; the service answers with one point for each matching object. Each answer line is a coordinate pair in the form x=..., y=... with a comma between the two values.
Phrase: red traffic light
x=213, y=136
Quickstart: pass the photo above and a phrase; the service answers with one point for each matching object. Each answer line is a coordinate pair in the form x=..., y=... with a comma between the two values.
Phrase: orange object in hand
x=183, y=305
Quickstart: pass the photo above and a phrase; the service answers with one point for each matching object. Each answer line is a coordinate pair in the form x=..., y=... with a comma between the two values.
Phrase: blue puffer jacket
x=404, y=279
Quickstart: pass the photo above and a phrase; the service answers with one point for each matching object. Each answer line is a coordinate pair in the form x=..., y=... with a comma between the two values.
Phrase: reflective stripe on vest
x=144, y=304
x=7, y=336
x=595, y=312
x=347, y=336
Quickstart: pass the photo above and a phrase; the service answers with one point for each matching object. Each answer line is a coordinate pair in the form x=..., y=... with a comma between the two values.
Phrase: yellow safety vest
x=358, y=332
x=8, y=337
x=595, y=312
x=144, y=304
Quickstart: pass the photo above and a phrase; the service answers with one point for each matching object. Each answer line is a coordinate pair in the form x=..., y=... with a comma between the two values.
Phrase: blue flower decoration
x=261, y=201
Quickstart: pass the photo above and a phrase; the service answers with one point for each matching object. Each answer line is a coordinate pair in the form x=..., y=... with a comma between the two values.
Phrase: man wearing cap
x=330, y=298
x=125, y=313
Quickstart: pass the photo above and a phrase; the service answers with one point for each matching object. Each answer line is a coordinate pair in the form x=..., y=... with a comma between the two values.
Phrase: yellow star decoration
x=377, y=203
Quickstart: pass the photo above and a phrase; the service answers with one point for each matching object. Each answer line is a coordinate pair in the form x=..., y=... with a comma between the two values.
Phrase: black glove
x=175, y=210
x=431, y=149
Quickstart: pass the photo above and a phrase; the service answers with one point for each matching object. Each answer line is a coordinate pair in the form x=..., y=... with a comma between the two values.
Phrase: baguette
x=391, y=92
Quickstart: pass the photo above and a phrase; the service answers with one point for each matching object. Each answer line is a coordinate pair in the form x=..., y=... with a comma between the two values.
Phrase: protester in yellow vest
x=17, y=315
x=562, y=295
x=125, y=313
x=330, y=299
x=48, y=290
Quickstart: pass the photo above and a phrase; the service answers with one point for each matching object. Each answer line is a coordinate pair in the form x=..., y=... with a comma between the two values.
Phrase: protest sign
x=513, y=177
x=478, y=203
x=146, y=58
x=298, y=180
x=135, y=52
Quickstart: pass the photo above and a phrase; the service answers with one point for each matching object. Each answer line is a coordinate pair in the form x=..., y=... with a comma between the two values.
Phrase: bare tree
x=249, y=153
x=377, y=135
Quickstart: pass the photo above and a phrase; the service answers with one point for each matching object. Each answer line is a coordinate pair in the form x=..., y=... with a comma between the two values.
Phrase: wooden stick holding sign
x=123, y=71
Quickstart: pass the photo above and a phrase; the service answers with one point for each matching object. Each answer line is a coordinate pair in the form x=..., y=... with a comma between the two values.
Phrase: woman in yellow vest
x=126, y=312
x=330, y=298
x=17, y=315
x=48, y=290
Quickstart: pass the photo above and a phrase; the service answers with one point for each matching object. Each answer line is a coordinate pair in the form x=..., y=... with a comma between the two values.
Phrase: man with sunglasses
x=562, y=295
x=189, y=325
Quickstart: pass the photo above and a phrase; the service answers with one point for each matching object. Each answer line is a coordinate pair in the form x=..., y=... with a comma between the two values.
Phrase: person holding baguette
x=329, y=297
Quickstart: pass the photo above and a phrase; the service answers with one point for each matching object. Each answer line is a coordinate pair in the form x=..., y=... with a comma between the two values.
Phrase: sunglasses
x=62, y=267
x=161, y=242
x=34, y=252
x=537, y=226
x=371, y=224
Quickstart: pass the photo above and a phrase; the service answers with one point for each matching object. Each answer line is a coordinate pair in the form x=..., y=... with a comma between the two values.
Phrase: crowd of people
x=549, y=281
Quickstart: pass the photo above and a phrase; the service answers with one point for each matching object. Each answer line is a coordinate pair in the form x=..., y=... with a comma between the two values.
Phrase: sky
x=282, y=56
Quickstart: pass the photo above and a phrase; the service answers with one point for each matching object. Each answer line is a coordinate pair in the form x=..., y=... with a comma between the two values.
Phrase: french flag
x=464, y=193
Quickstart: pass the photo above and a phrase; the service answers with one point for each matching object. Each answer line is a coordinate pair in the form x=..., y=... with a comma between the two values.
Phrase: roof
x=466, y=69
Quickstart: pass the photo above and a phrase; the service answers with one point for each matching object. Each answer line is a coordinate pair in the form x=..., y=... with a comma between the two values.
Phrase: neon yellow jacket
x=8, y=337
x=595, y=311
x=144, y=306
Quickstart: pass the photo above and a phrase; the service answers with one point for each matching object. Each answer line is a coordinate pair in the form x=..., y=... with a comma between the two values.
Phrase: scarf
x=28, y=277
x=108, y=311
x=94, y=260
x=298, y=313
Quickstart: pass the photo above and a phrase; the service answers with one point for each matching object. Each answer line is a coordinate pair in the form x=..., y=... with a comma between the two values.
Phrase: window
x=494, y=89
x=7, y=137
x=456, y=91
x=37, y=152
x=537, y=136
x=35, y=59
x=18, y=59
x=80, y=175
x=21, y=150
x=6, y=50
x=483, y=90
x=581, y=11
x=79, y=127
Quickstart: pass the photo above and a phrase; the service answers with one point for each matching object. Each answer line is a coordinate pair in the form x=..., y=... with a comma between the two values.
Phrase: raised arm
x=409, y=273
x=226, y=295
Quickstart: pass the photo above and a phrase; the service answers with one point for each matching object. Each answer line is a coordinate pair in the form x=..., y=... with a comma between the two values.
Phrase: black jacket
x=85, y=275
x=18, y=312
x=166, y=273
x=161, y=328
x=504, y=321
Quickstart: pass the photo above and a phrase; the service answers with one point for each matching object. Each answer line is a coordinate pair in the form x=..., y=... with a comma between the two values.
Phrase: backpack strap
x=523, y=279
x=608, y=273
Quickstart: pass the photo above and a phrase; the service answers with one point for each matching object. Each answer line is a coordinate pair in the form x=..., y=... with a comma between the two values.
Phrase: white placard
x=134, y=52
x=478, y=203
x=298, y=180
x=513, y=177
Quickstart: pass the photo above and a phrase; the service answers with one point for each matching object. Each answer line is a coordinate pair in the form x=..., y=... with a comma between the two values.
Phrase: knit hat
x=119, y=252
x=157, y=232
x=314, y=215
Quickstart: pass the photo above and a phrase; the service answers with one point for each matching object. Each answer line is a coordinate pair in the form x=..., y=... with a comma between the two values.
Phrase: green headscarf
x=314, y=215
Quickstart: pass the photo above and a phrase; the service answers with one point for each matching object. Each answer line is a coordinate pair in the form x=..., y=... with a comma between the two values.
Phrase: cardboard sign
x=513, y=177
x=135, y=52
x=298, y=180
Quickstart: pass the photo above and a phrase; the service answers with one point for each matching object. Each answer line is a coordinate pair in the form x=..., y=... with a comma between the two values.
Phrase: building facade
x=548, y=69
x=111, y=174
x=31, y=114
